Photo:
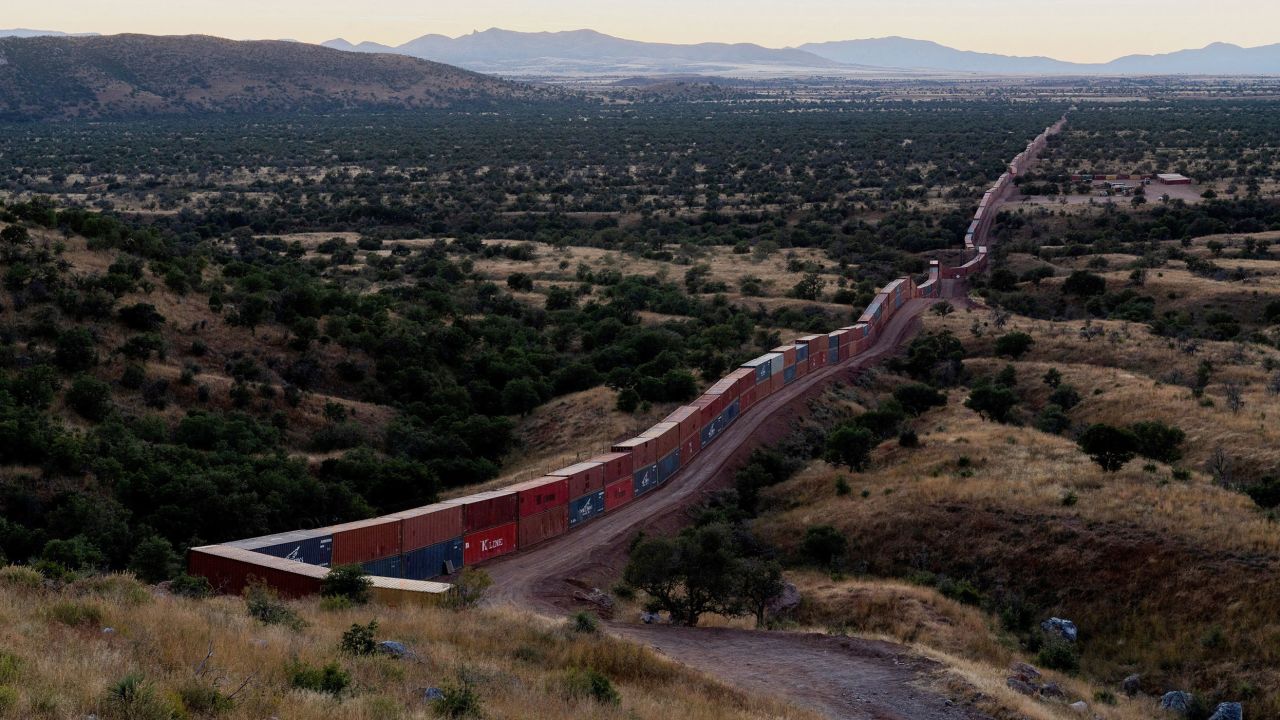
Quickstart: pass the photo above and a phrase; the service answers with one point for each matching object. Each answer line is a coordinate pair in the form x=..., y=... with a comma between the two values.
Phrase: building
x=1173, y=179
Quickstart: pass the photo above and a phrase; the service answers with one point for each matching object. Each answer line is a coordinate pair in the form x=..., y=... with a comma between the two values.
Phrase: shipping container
x=802, y=352
x=641, y=450
x=429, y=525
x=386, y=567
x=760, y=366
x=442, y=558
x=540, y=495
x=645, y=479
x=776, y=363
x=788, y=353
x=397, y=592
x=618, y=494
x=312, y=547
x=616, y=465
x=230, y=569
x=666, y=436
x=489, y=543
x=543, y=526
x=686, y=416
x=833, y=355
x=712, y=430
x=690, y=446
x=587, y=507
x=789, y=374
x=668, y=465
x=489, y=509
x=584, y=477
x=743, y=379
x=366, y=540
x=776, y=382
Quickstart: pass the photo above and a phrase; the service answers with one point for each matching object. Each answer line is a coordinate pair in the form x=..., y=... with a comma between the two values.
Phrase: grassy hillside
x=168, y=657
x=134, y=75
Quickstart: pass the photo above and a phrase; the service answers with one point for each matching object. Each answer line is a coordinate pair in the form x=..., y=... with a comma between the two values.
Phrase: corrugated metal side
x=395, y=593
x=543, y=526
x=666, y=435
x=584, y=477
x=490, y=543
x=489, y=509
x=690, y=446
x=229, y=569
x=686, y=416
x=616, y=466
x=641, y=450
x=429, y=525
x=429, y=562
x=645, y=479
x=311, y=547
x=586, y=508
x=618, y=494
x=668, y=465
x=386, y=567
x=540, y=495
x=366, y=540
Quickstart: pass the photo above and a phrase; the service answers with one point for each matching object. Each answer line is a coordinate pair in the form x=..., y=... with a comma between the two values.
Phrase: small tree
x=1110, y=447
x=360, y=639
x=993, y=402
x=154, y=560
x=916, y=398
x=1014, y=344
x=761, y=583
x=1053, y=378
x=824, y=545
x=90, y=398
x=851, y=446
x=347, y=581
x=470, y=587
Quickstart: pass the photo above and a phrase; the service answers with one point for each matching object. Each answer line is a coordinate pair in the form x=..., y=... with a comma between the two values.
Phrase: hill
x=131, y=75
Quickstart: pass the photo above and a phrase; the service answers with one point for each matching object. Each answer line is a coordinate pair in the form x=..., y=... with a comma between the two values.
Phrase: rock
x=1064, y=629
x=1024, y=672
x=1021, y=686
x=1080, y=706
x=785, y=602
x=394, y=648
x=108, y=631
x=1132, y=685
x=432, y=694
x=649, y=618
x=1052, y=691
x=1228, y=711
x=1177, y=701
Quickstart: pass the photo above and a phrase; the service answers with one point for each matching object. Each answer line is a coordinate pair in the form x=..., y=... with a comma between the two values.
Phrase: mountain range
x=586, y=52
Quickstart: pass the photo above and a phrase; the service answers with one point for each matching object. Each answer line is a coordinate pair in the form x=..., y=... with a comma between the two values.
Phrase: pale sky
x=1077, y=30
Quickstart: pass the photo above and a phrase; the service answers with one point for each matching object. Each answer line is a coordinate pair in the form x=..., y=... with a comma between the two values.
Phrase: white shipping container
x=775, y=363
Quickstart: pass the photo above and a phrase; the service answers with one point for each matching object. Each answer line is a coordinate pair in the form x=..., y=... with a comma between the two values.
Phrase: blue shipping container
x=386, y=567
x=668, y=466
x=833, y=355
x=802, y=352
x=762, y=373
x=712, y=430
x=586, y=507
x=789, y=373
x=429, y=562
x=645, y=479
x=312, y=551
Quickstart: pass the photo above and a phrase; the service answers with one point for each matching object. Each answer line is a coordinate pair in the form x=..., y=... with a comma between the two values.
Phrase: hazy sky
x=1080, y=30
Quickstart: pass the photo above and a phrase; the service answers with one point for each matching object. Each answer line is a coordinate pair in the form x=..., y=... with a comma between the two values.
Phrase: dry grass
x=519, y=661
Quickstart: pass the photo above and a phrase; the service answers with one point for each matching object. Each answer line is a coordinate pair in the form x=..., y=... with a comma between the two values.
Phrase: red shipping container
x=743, y=379
x=540, y=495
x=764, y=390
x=488, y=509
x=689, y=447
x=430, y=525
x=366, y=540
x=709, y=406
x=584, y=477
x=543, y=526
x=641, y=449
x=666, y=435
x=488, y=544
x=230, y=569
x=802, y=369
x=616, y=466
x=777, y=381
x=618, y=494
x=748, y=399
x=687, y=417
x=788, y=354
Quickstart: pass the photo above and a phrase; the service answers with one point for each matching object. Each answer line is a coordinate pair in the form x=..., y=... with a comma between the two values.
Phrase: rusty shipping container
x=490, y=543
x=489, y=509
x=690, y=446
x=366, y=540
x=666, y=435
x=540, y=495
x=584, y=477
x=539, y=528
x=687, y=417
x=229, y=570
x=641, y=450
x=616, y=466
x=313, y=547
x=788, y=354
x=429, y=525
x=619, y=493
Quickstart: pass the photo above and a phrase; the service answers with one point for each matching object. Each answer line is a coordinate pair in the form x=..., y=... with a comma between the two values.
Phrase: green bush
x=76, y=614
x=460, y=699
x=90, y=398
x=360, y=639
x=204, y=700
x=348, y=581
x=823, y=545
x=192, y=586
x=265, y=606
x=1014, y=344
x=133, y=698
x=1058, y=654
x=579, y=684
x=331, y=678
x=584, y=622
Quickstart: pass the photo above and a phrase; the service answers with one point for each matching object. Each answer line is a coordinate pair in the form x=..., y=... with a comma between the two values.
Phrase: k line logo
x=487, y=545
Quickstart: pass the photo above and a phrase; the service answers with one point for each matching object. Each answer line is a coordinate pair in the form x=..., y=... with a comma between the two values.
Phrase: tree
x=1014, y=344
x=1065, y=396
x=559, y=298
x=761, y=583
x=347, y=581
x=824, y=545
x=809, y=287
x=90, y=397
x=851, y=446
x=696, y=572
x=1053, y=378
x=521, y=396
x=917, y=398
x=1084, y=284
x=76, y=350
x=154, y=560
x=1109, y=446
x=992, y=401
x=1158, y=441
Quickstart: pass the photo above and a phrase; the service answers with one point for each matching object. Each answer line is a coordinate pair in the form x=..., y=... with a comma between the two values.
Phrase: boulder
x=1228, y=711
x=1080, y=706
x=1052, y=691
x=1176, y=701
x=1024, y=672
x=1062, y=628
x=1021, y=686
x=649, y=618
x=394, y=648
x=1131, y=685
x=784, y=602
x=432, y=694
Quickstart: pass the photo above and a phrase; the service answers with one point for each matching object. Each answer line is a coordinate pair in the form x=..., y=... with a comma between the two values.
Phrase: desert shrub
x=330, y=679
x=1110, y=447
x=917, y=398
x=192, y=586
x=90, y=398
x=133, y=698
x=265, y=606
x=469, y=588
x=1014, y=344
x=908, y=439
x=580, y=683
x=1058, y=654
x=584, y=622
x=360, y=639
x=1053, y=419
x=8, y=700
x=993, y=402
x=459, y=698
x=76, y=614
x=1158, y=441
x=1065, y=397
x=850, y=446
x=21, y=577
x=348, y=581
x=204, y=700
x=823, y=545
x=154, y=560
x=1084, y=284
x=10, y=666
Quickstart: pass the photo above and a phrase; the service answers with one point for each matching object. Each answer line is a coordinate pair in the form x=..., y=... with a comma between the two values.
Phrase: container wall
x=488, y=544
x=487, y=510
x=540, y=495
x=429, y=525
x=310, y=549
x=434, y=560
x=668, y=465
x=386, y=567
x=691, y=445
x=539, y=528
x=365, y=541
x=618, y=494
x=585, y=508
x=583, y=477
x=789, y=374
x=645, y=479
x=617, y=466
x=232, y=574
